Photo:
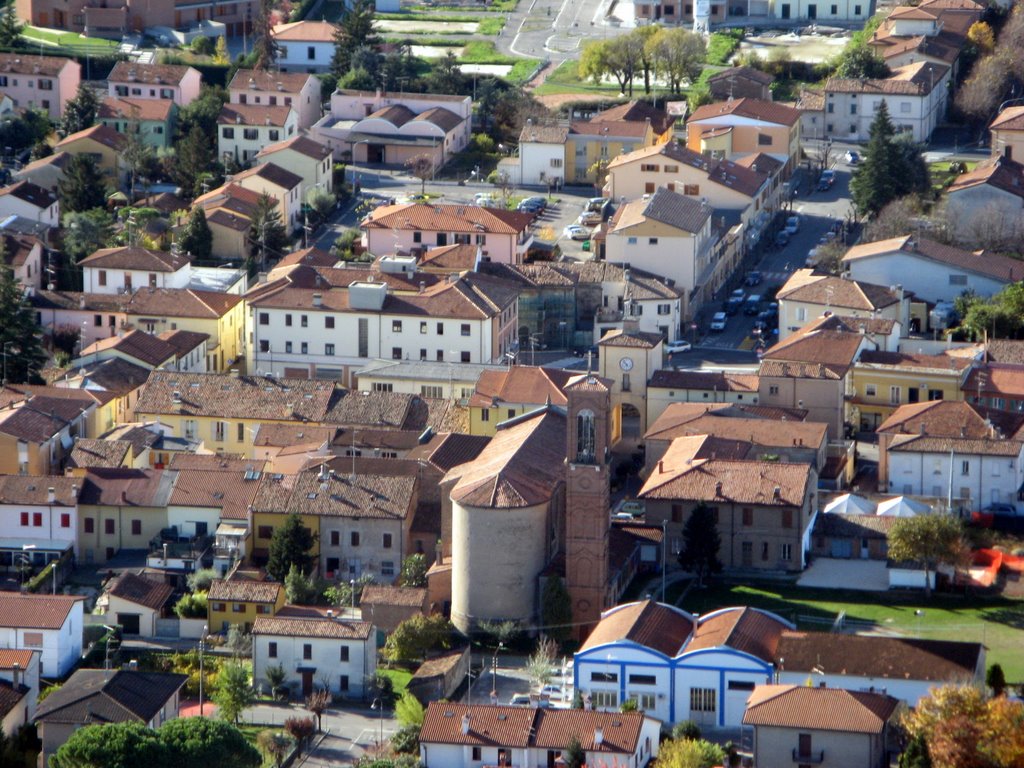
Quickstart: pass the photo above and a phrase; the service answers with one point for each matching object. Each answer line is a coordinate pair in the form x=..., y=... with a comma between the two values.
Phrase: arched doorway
x=630, y=422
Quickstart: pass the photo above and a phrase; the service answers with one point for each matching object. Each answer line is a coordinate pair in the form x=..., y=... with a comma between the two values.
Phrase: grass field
x=399, y=678
x=68, y=39
x=996, y=622
x=566, y=79
x=942, y=176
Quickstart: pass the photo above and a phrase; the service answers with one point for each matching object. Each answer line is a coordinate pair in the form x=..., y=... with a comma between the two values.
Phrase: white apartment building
x=244, y=129
x=50, y=624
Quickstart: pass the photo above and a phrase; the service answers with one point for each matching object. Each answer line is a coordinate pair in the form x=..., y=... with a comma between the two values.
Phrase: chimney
x=133, y=665
x=16, y=675
x=718, y=488
x=465, y=724
x=176, y=397
x=920, y=429
x=330, y=614
x=124, y=497
x=777, y=494
x=51, y=495
x=661, y=467
x=598, y=736
x=318, y=300
x=423, y=286
x=234, y=373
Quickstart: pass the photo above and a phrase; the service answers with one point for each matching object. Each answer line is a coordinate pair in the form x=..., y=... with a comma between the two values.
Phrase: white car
x=793, y=225
x=678, y=346
x=551, y=692
x=483, y=199
x=718, y=322
x=576, y=232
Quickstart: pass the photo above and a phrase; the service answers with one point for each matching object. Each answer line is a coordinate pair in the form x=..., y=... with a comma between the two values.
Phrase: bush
x=722, y=45
x=481, y=142
x=687, y=729
x=192, y=606
x=203, y=46
x=200, y=581
x=406, y=740
x=301, y=729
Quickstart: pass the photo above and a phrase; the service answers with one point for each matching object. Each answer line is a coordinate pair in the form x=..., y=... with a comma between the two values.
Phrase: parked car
x=812, y=258
x=793, y=225
x=597, y=204
x=520, y=700
x=782, y=238
x=1000, y=508
x=738, y=293
x=719, y=321
x=827, y=179
x=732, y=306
x=679, y=345
x=532, y=205
x=576, y=232
x=852, y=158
x=484, y=199
x=753, y=305
x=753, y=278
x=589, y=217
x=551, y=691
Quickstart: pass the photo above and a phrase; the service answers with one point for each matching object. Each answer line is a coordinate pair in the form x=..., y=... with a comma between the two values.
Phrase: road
x=553, y=29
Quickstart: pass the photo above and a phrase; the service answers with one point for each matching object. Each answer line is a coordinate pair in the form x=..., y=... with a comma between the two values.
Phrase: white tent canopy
x=850, y=504
x=901, y=506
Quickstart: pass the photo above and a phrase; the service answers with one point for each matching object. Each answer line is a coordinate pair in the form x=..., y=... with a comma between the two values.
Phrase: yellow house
x=610, y=133
x=883, y=381
x=241, y=601
x=628, y=359
x=224, y=410
x=504, y=394
x=229, y=210
x=100, y=142
x=121, y=508
x=737, y=128
x=38, y=426
x=219, y=315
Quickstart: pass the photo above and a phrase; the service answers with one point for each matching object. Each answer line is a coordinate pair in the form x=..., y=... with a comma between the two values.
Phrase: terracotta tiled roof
x=980, y=262
x=951, y=418
x=299, y=143
x=254, y=115
x=834, y=350
x=682, y=419
x=124, y=108
x=138, y=589
x=230, y=397
x=144, y=347
x=133, y=257
x=334, y=628
x=23, y=64
x=458, y=257
x=454, y=449
x=811, y=100
x=853, y=526
x=998, y=378
x=314, y=257
x=99, y=133
x=823, y=709
x=99, y=453
x=122, y=487
x=115, y=376
x=230, y=491
x=447, y=218
x=666, y=207
x=151, y=74
x=215, y=462
x=1010, y=119
x=20, y=656
x=620, y=732
x=837, y=292
x=372, y=95
x=30, y=193
x=29, y=489
x=784, y=369
x=743, y=73
x=942, y=363
x=717, y=381
x=265, y=80
x=183, y=342
x=10, y=696
x=544, y=134
x=244, y=591
x=383, y=594
x=747, y=630
x=755, y=109
x=305, y=32
x=35, y=611
x=660, y=627
x=283, y=435
x=632, y=339
x=888, y=658
x=999, y=172
x=366, y=496
x=103, y=302
x=443, y=118
x=40, y=418
x=520, y=467
x=272, y=173
x=520, y=384
x=915, y=79
x=96, y=697
x=629, y=119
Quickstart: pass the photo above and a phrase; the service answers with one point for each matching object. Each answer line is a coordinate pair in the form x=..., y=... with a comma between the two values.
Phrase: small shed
x=386, y=607
x=440, y=677
x=136, y=602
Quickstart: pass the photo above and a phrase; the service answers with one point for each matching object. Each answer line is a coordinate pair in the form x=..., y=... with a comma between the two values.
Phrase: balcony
x=808, y=758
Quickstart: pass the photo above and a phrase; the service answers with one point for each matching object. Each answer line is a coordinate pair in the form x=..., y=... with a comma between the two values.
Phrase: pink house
x=94, y=315
x=176, y=82
x=39, y=82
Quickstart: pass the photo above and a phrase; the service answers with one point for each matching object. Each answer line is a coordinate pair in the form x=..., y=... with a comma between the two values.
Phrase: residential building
x=541, y=155
x=996, y=385
x=98, y=697
x=668, y=386
x=103, y=144
x=49, y=624
x=424, y=378
x=39, y=82
x=244, y=129
x=24, y=256
x=315, y=647
x=807, y=296
x=47, y=171
x=906, y=668
x=121, y=508
x=677, y=666
x=242, y=601
x=99, y=452
x=811, y=106
x=132, y=80
x=953, y=449
x=38, y=430
x=464, y=736
x=224, y=410
x=39, y=516
x=278, y=184
x=351, y=316
x=764, y=509
x=739, y=127
x=298, y=90
x=388, y=606
x=382, y=128
x=763, y=11
x=812, y=370
x=884, y=380
x=915, y=96
x=1007, y=130
x=933, y=31
x=740, y=83
x=152, y=121
x=19, y=688
x=931, y=271
x=857, y=534
x=361, y=523
x=986, y=204
x=801, y=724
x=502, y=236
x=612, y=132
x=230, y=210
x=626, y=360
x=303, y=156
x=670, y=235
x=135, y=603
x=306, y=46
x=23, y=198
x=125, y=268
x=504, y=393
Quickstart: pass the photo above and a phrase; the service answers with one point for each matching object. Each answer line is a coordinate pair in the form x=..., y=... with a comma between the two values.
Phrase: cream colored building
x=628, y=359
x=742, y=127
x=808, y=295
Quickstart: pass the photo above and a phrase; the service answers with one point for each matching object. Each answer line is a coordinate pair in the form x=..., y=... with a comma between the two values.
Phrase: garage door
x=842, y=548
x=129, y=623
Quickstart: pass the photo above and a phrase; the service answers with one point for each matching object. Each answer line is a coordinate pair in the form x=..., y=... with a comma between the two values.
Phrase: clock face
x=626, y=364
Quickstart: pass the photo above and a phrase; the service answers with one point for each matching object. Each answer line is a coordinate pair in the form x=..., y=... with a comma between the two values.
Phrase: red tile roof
x=150, y=74
x=36, y=611
x=822, y=709
x=138, y=589
x=748, y=630
x=520, y=384
x=447, y=218
x=660, y=627
x=980, y=262
x=121, y=108
x=755, y=109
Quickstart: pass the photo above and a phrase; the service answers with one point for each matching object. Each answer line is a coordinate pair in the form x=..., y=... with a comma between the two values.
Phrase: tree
x=701, y=544
x=678, y=56
x=981, y=36
x=574, y=756
x=690, y=753
x=19, y=333
x=196, y=238
x=354, y=29
x=138, y=157
x=193, y=606
x=80, y=112
x=201, y=579
x=220, y=51
x=202, y=113
x=409, y=710
x=556, y=609
x=193, y=156
x=290, y=545
x=320, y=203
x=318, y=702
x=301, y=729
x=629, y=705
x=112, y=745
x=265, y=48
x=10, y=26
x=422, y=167
x=979, y=96
x=875, y=184
x=446, y=75
x=415, y=636
x=931, y=540
x=414, y=571
x=500, y=632
x=298, y=587
x=406, y=740
x=234, y=691
x=276, y=675
x=382, y=687
x=83, y=186
x=202, y=741
x=687, y=730
x=239, y=642
x=267, y=236
x=275, y=744
x=915, y=754
x=995, y=680
x=539, y=665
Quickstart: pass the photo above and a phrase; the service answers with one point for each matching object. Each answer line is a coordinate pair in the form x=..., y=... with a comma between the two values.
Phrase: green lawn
x=566, y=79
x=68, y=39
x=490, y=26
x=399, y=678
x=484, y=52
x=997, y=622
x=942, y=176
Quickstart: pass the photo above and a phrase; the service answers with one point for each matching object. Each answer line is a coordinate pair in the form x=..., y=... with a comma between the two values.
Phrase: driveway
x=863, y=575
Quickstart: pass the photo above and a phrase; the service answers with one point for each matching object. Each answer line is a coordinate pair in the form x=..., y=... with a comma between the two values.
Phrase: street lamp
x=378, y=704
x=494, y=674
x=202, y=647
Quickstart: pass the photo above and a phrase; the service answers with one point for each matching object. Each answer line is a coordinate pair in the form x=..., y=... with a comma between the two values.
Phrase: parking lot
x=510, y=679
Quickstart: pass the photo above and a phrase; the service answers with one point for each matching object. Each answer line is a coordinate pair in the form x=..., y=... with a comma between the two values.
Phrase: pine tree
x=196, y=237
x=265, y=47
x=83, y=186
x=19, y=333
x=192, y=158
x=220, y=51
x=80, y=112
x=355, y=29
x=290, y=545
x=876, y=181
x=10, y=26
x=268, y=238
x=701, y=543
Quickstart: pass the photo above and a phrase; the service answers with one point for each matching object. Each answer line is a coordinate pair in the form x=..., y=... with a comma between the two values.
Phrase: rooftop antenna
x=352, y=477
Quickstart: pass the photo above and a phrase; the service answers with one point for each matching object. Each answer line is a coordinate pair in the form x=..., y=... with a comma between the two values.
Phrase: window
x=304, y=347
x=272, y=650
x=329, y=321
x=440, y=331
x=24, y=518
x=136, y=527
x=853, y=108
x=958, y=279
x=396, y=326
x=343, y=684
x=354, y=538
x=477, y=753
x=240, y=435
x=785, y=552
x=649, y=168
x=288, y=321
x=664, y=309
x=905, y=107
x=464, y=329
x=237, y=608
x=485, y=415
x=870, y=390
x=344, y=653
x=387, y=567
x=396, y=353
x=671, y=169
x=652, y=241
x=464, y=357
x=335, y=538
x=773, y=389
x=89, y=524
x=834, y=9
x=287, y=347
x=423, y=327
x=702, y=699
x=934, y=394
x=649, y=188
x=435, y=392
x=894, y=395
x=764, y=139
x=856, y=10
x=228, y=133
x=329, y=350
x=274, y=134
x=965, y=468
x=103, y=277
x=740, y=685
x=604, y=677
x=764, y=550
x=264, y=318
x=307, y=651
x=32, y=639
x=787, y=518
x=643, y=680
x=265, y=532
x=748, y=516
x=644, y=701
x=108, y=527
x=831, y=107
x=304, y=321
x=250, y=134
x=604, y=699
x=37, y=519
x=691, y=189
x=556, y=162
x=630, y=241
x=65, y=520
